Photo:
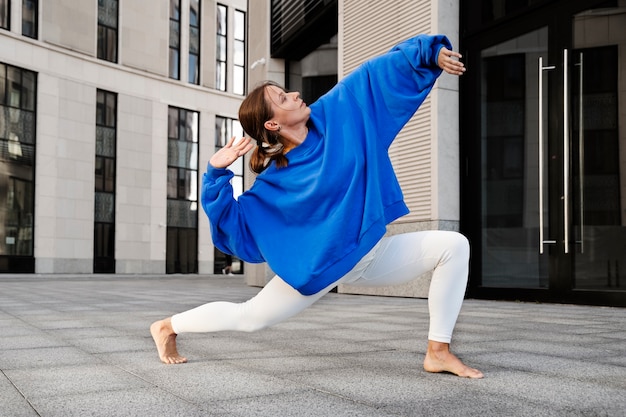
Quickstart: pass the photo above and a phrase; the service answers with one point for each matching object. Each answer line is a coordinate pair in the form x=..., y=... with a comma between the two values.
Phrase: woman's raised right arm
x=228, y=227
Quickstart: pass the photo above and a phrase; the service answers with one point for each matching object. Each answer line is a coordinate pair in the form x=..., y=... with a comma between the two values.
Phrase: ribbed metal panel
x=411, y=155
x=371, y=27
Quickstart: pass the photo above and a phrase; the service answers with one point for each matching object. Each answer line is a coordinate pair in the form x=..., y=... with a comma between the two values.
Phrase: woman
x=326, y=190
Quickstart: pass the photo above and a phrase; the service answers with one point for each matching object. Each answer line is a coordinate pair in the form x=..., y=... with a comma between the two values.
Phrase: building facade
x=108, y=111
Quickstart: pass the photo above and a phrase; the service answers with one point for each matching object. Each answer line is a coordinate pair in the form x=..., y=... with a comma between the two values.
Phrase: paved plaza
x=80, y=346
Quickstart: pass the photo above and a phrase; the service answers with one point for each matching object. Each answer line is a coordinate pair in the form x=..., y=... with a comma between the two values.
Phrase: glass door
x=513, y=181
x=550, y=220
x=597, y=137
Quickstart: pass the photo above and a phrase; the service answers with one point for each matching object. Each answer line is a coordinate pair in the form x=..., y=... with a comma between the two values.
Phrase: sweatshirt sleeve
x=228, y=226
x=390, y=88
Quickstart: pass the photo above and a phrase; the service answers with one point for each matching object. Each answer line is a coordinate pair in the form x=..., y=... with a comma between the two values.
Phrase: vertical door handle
x=541, y=155
x=581, y=152
x=566, y=165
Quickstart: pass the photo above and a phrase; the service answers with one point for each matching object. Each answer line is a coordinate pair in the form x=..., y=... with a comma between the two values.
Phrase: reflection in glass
x=220, y=51
x=104, y=179
x=29, y=18
x=598, y=150
x=107, y=30
x=509, y=142
x=4, y=14
x=174, y=40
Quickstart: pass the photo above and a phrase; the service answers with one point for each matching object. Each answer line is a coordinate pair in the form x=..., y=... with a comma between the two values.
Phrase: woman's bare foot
x=440, y=359
x=165, y=340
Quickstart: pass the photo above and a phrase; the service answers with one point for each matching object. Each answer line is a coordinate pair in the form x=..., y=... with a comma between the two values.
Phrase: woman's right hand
x=231, y=152
x=449, y=62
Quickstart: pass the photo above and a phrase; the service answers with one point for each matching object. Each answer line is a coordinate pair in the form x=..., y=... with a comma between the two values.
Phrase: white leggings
x=394, y=260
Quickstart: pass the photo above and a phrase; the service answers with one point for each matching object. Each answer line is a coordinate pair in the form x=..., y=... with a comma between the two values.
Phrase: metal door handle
x=541, y=156
x=581, y=152
x=565, y=152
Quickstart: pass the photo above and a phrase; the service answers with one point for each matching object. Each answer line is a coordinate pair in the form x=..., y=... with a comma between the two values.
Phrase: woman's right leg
x=277, y=301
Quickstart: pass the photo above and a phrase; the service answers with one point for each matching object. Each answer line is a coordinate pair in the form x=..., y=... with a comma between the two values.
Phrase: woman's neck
x=294, y=138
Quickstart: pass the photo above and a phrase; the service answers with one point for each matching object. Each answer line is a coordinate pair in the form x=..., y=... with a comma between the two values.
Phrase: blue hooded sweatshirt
x=314, y=220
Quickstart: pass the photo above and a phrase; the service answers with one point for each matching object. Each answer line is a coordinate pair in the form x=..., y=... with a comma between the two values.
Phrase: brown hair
x=253, y=113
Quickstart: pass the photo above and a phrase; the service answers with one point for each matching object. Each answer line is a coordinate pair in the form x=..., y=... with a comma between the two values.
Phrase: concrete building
x=109, y=111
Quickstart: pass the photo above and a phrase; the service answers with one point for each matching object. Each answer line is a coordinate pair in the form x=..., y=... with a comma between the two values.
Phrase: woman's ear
x=271, y=126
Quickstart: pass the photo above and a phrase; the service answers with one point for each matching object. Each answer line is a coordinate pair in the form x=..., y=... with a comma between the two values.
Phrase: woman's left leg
x=402, y=258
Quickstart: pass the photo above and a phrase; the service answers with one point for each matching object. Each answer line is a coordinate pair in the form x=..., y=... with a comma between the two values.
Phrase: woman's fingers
x=244, y=146
x=230, y=142
x=449, y=62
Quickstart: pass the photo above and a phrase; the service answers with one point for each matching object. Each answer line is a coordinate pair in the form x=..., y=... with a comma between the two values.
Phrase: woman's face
x=288, y=108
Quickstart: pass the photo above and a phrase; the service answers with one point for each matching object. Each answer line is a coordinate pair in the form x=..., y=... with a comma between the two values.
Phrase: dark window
x=226, y=128
x=174, y=71
x=107, y=30
x=182, y=191
x=5, y=14
x=194, y=41
x=220, y=49
x=505, y=139
x=17, y=168
x=239, y=58
x=29, y=18
x=104, y=200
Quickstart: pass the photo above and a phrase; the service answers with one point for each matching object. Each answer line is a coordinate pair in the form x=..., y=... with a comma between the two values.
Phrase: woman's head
x=262, y=114
x=254, y=111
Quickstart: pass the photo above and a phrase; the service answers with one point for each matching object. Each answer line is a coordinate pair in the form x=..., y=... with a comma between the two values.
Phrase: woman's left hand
x=231, y=152
x=449, y=62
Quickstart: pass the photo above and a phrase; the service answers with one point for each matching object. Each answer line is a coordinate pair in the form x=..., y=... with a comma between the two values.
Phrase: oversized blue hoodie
x=313, y=220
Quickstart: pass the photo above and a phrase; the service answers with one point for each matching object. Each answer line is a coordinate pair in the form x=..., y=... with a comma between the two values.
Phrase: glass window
x=238, y=80
x=107, y=30
x=3, y=83
x=17, y=160
x=182, y=191
x=105, y=177
x=28, y=91
x=174, y=64
x=239, y=60
x=182, y=154
x=194, y=70
x=29, y=18
x=14, y=87
x=174, y=67
x=226, y=128
x=220, y=52
x=5, y=13
x=194, y=42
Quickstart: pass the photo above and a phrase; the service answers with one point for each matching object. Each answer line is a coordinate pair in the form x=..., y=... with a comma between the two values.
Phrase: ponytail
x=261, y=159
